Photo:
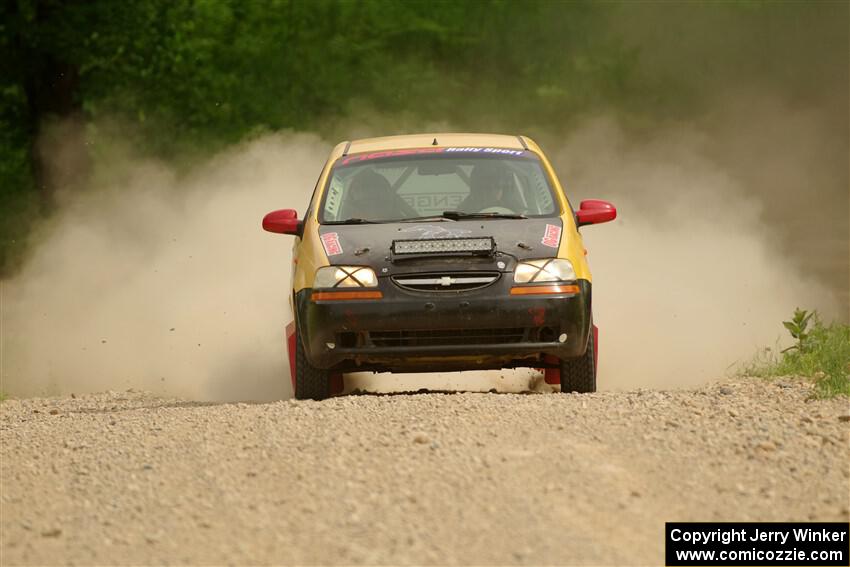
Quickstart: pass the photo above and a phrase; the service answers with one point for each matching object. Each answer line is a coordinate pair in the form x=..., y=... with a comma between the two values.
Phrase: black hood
x=371, y=244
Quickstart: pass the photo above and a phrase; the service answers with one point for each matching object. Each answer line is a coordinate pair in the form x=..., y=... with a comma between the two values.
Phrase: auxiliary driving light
x=443, y=245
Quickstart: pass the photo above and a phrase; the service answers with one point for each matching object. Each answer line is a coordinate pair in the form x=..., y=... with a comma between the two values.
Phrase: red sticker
x=390, y=153
x=552, y=236
x=330, y=241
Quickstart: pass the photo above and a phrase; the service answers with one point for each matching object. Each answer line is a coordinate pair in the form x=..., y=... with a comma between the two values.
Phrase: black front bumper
x=418, y=331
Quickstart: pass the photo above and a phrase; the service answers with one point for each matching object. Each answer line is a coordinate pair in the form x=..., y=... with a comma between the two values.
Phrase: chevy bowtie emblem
x=446, y=281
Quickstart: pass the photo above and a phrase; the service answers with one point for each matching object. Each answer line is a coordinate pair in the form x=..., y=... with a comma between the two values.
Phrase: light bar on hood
x=443, y=245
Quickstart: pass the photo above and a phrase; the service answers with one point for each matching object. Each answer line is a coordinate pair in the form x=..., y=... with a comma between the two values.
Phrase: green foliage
x=797, y=326
x=823, y=354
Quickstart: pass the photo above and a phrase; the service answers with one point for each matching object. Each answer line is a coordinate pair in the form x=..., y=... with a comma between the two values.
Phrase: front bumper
x=418, y=331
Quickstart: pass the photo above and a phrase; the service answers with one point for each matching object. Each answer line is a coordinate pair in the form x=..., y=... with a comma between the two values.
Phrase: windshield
x=422, y=183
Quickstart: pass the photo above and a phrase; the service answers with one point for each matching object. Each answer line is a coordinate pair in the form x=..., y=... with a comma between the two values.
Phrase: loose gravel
x=128, y=478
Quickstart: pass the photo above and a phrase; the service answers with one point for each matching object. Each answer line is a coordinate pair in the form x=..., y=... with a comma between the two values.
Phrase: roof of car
x=427, y=140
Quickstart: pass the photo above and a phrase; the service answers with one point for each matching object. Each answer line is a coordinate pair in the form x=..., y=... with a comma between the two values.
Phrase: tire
x=579, y=374
x=311, y=383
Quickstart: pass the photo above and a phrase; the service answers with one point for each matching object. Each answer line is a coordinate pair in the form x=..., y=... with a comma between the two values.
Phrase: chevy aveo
x=439, y=252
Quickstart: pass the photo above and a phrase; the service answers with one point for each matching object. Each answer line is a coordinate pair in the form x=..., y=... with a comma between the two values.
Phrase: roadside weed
x=822, y=353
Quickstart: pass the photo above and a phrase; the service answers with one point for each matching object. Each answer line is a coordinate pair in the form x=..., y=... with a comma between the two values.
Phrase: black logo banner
x=757, y=543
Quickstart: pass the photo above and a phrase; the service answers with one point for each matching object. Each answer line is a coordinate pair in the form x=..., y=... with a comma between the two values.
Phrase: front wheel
x=311, y=383
x=579, y=374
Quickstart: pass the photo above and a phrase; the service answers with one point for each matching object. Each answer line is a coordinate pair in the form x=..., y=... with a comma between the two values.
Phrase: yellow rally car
x=438, y=252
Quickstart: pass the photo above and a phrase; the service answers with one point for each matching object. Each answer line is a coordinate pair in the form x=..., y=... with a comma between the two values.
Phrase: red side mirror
x=595, y=211
x=284, y=221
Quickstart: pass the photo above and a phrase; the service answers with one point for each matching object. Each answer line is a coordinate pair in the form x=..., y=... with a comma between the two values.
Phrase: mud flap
x=595, y=349
x=290, y=349
x=336, y=383
x=553, y=375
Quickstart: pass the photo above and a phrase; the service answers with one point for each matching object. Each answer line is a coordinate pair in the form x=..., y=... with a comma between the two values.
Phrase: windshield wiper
x=444, y=216
x=455, y=215
x=354, y=221
x=427, y=218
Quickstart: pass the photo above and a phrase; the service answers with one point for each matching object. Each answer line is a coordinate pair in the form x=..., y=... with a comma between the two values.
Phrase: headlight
x=345, y=276
x=544, y=270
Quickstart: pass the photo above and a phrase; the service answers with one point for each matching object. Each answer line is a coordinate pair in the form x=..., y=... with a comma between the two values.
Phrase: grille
x=446, y=337
x=455, y=281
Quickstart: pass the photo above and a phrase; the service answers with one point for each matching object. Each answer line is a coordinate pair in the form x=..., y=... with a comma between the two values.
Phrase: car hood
x=371, y=244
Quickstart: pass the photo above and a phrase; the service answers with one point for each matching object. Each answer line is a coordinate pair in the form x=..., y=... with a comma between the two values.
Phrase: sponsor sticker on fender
x=330, y=241
x=552, y=236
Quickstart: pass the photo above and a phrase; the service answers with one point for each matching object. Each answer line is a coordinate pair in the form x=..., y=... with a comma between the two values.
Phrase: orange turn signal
x=543, y=289
x=342, y=295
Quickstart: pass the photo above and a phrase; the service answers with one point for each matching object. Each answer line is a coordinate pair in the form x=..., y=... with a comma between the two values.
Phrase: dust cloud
x=165, y=281
x=690, y=280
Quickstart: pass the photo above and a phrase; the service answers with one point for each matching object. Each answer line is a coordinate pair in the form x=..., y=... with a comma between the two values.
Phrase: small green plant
x=797, y=326
x=822, y=352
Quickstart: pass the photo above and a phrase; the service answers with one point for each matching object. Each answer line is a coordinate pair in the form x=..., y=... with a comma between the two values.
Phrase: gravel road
x=129, y=478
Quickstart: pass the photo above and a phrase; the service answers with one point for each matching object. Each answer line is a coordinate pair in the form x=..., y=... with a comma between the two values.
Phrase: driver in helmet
x=491, y=185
